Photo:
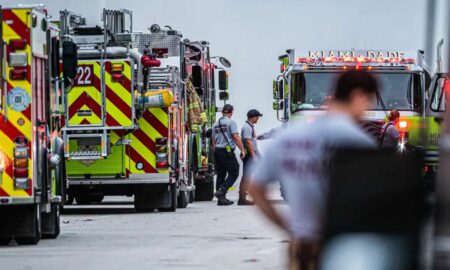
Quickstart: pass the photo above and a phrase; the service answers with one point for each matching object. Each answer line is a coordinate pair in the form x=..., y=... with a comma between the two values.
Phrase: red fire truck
x=32, y=176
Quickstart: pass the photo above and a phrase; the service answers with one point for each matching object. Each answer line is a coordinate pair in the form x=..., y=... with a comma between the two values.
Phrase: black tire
x=192, y=196
x=183, y=199
x=51, y=223
x=204, y=190
x=70, y=199
x=141, y=204
x=83, y=199
x=34, y=223
x=97, y=198
x=4, y=241
x=173, y=200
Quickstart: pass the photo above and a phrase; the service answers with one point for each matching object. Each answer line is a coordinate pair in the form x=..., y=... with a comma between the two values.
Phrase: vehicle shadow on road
x=100, y=210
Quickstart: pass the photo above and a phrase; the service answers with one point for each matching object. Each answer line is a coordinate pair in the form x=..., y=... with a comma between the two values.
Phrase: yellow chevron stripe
x=131, y=165
x=93, y=119
x=148, y=129
x=142, y=149
x=117, y=88
x=26, y=128
x=7, y=147
x=113, y=137
x=162, y=116
x=127, y=71
x=22, y=14
x=117, y=114
x=93, y=92
x=8, y=187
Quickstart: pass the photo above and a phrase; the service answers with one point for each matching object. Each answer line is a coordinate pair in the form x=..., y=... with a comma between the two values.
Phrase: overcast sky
x=252, y=33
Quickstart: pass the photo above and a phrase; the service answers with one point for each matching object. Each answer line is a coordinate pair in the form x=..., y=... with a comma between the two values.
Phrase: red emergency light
x=18, y=74
x=18, y=44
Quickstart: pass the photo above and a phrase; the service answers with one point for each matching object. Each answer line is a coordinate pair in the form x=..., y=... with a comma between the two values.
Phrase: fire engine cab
x=306, y=79
x=32, y=173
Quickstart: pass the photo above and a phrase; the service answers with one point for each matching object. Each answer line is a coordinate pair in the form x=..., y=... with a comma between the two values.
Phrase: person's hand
x=242, y=155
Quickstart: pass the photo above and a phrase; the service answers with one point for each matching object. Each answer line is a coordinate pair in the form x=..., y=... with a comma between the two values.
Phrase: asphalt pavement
x=113, y=236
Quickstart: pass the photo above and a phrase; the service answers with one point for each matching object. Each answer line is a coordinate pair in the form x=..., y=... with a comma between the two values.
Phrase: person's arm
x=259, y=195
x=238, y=142
x=249, y=144
x=235, y=135
x=269, y=134
x=213, y=141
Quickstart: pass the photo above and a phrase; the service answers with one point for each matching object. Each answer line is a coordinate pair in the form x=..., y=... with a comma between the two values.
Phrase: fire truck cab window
x=312, y=90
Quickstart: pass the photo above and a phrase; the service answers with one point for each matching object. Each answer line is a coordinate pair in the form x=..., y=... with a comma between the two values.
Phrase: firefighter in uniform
x=252, y=153
x=225, y=139
x=390, y=137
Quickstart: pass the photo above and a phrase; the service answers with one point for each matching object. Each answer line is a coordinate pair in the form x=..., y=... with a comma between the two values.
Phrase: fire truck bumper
x=149, y=178
x=16, y=200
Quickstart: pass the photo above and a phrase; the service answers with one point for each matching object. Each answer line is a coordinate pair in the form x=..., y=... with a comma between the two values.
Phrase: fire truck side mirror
x=197, y=76
x=223, y=95
x=278, y=89
x=70, y=59
x=277, y=105
x=223, y=80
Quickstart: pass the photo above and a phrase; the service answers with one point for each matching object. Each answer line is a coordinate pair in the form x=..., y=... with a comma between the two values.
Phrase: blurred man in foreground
x=299, y=158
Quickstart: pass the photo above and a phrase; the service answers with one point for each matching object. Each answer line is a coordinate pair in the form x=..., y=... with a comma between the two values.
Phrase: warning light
x=282, y=67
x=18, y=44
x=403, y=124
x=117, y=67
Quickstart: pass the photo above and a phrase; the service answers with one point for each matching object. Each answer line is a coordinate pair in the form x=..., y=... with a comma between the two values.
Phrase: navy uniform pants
x=227, y=168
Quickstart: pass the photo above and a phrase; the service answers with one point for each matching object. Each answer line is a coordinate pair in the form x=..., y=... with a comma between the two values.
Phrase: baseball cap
x=253, y=113
x=228, y=108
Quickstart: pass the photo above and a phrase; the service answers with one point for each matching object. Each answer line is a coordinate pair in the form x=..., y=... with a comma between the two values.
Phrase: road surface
x=112, y=236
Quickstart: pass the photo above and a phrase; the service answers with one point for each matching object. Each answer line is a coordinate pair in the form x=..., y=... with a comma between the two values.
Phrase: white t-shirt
x=297, y=159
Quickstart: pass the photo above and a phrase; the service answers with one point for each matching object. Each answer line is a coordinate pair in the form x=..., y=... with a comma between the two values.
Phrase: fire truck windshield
x=312, y=90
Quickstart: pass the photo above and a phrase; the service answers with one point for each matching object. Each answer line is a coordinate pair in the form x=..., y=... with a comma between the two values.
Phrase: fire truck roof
x=378, y=59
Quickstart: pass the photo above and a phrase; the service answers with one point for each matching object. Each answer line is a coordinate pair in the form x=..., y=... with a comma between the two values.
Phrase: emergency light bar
x=395, y=60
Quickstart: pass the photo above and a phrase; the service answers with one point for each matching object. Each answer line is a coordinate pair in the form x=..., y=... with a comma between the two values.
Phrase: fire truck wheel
x=192, y=196
x=183, y=199
x=83, y=199
x=4, y=241
x=173, y=200
x=97, y=198
x=204, y=190
x=141, y=203
x=33, y=222
x=70, y=199
x=50, y=223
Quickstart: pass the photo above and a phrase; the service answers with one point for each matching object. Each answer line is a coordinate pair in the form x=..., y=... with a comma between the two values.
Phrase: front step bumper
x=148, y=178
